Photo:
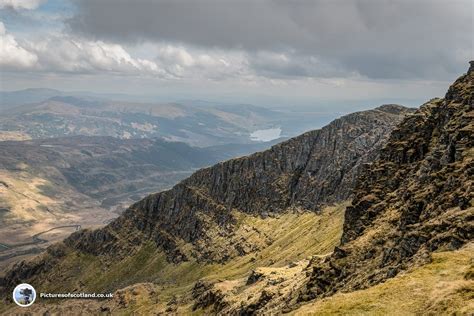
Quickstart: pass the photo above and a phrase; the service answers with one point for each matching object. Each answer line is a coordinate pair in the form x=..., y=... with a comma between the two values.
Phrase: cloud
x=250, y=40
x=61, y=53
x=293, y=65
x=20, y=4
x=66, y=54
x=184, y=62
x=373, y=38
x=12, y=55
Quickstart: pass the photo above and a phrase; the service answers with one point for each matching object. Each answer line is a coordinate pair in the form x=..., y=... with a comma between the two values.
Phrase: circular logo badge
x=24, y=295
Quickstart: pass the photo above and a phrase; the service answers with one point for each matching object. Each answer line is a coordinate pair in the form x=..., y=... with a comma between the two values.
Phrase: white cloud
x=62, y=53
x=292, y=65
x=379, y=39
x=20, y=4
x=12, y=55
x=65, y=54
x=68, y=55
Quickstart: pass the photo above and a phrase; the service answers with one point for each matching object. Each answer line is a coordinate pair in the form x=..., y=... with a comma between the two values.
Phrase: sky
x=269, y=52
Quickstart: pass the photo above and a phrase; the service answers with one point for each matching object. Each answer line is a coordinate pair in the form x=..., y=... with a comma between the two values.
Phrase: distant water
x=266, y=135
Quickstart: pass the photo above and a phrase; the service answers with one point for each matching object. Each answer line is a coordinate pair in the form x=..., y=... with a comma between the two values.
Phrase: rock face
x=416, y=198
x=316, y=168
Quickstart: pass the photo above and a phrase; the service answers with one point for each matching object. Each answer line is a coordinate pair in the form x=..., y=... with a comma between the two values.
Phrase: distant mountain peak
x=76, y=101
x=391, y=108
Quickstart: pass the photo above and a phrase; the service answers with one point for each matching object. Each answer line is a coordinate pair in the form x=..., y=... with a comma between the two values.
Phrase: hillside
x=444, y=286
x=219, y=214
x=197, y=125
x=149, y=284
x=415, y=199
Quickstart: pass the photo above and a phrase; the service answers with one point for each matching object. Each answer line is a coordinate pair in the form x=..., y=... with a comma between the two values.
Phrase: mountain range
x=195, y=123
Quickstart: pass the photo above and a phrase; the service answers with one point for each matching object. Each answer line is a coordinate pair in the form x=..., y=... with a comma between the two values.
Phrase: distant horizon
x=343, y=106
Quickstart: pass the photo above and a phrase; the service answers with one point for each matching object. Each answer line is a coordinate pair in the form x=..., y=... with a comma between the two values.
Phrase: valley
x=85, y=181
x=80, y=160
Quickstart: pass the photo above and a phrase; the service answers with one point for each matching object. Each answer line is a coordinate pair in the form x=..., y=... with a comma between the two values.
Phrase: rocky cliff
x=416, y=198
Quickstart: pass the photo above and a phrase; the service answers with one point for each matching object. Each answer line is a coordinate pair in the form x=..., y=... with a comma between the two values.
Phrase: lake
x=265, y=135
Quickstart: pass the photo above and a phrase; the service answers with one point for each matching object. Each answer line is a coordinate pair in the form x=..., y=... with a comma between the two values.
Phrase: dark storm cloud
x=375, y=38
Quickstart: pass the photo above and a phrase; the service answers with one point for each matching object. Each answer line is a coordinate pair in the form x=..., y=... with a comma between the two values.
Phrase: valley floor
x=31, y=220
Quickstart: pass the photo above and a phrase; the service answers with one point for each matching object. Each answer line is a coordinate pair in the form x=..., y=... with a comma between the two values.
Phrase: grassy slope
x=295, y=236
x=444, y=286
x=23, y=196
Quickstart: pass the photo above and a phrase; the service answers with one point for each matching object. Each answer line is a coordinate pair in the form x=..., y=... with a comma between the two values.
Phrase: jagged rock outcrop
x=316, y=168
x=416, y=198
x=205, y=295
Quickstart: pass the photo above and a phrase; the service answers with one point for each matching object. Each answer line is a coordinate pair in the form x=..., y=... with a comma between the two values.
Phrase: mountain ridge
x=419, y=191
x=200, y=126
x=409, y=174
x=205, y=201
x=388, y=160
